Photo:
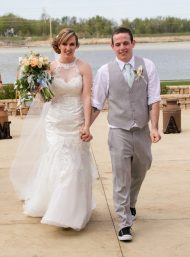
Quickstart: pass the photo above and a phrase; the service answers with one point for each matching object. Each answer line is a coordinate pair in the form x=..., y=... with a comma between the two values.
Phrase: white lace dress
x=61, y=191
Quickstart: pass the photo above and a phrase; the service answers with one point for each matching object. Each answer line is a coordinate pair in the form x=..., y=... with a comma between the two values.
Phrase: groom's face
x=123, y=47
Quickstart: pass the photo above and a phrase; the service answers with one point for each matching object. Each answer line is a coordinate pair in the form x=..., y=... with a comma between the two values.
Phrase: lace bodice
x=66, y=109
x=67, y=80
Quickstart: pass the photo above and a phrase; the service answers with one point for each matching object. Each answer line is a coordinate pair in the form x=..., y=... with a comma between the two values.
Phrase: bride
x=54, y=178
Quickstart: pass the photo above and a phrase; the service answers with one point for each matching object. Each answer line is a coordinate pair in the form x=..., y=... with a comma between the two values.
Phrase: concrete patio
x=162, y=227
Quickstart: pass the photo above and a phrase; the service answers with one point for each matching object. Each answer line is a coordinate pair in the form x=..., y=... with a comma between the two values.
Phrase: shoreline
x=94, y=41
x=162, y=39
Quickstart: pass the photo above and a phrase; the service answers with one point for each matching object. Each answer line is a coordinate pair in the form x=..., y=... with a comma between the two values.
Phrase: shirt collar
x=122, y=64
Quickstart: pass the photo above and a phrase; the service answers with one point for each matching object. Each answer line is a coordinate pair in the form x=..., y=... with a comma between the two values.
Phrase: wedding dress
x=58, y=186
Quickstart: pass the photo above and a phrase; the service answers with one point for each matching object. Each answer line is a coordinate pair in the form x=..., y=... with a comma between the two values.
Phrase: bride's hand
x=85, y=134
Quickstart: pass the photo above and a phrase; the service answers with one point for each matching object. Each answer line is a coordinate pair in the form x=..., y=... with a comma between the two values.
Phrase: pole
x=50, y=28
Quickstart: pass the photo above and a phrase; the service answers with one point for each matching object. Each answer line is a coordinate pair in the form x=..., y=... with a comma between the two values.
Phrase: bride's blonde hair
x=63, y=36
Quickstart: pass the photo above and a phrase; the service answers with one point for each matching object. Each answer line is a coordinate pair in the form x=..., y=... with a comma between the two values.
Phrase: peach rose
x=34, y=62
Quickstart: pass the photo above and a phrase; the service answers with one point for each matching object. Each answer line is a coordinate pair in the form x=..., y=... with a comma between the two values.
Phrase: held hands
x=85, y=134
x=155, y=135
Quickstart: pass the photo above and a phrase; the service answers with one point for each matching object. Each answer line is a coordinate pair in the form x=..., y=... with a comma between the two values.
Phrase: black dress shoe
x=125, y=234
x=133, y=213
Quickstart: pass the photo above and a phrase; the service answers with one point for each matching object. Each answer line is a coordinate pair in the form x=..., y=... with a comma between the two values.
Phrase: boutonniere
x=138, y=72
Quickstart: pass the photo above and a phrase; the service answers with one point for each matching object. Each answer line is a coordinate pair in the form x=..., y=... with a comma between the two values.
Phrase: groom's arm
x=100, y=91
x=154, y=118
x=94, y=114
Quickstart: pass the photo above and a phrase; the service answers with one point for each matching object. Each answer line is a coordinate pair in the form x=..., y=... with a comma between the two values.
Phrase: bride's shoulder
x=83, y=65
x=81, y=62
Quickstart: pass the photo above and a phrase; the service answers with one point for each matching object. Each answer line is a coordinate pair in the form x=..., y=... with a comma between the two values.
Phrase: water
x=171, y=59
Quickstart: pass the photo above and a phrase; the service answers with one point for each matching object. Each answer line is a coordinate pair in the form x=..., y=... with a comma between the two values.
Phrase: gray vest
x=127, y=105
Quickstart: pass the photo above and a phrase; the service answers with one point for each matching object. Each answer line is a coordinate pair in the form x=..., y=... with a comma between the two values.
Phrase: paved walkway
x=162, y=228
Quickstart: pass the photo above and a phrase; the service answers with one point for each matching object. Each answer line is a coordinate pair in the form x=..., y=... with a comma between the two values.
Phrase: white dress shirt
x=101, y=83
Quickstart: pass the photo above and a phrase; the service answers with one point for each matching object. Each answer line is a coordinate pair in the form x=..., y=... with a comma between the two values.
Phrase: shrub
x=7, y=92
x=164, y=90
x=165, y=83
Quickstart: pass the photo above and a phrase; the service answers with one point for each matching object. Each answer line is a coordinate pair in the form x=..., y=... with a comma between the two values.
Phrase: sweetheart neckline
x=78, y=76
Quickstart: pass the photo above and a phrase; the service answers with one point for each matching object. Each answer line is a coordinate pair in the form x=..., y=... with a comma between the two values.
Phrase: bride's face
x=68, y=48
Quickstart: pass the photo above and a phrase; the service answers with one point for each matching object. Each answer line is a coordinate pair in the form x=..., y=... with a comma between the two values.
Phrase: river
x=171, y=59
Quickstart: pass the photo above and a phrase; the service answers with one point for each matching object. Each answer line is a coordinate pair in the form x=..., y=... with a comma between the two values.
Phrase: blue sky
x=111, y=9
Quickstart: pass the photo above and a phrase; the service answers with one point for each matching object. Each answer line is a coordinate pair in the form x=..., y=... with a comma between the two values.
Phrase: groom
x=132, y=86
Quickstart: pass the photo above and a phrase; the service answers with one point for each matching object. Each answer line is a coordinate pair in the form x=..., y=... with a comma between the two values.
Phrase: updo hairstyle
x=63, y=36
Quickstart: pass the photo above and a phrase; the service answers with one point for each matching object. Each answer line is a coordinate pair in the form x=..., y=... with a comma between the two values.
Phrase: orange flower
x=34, y=62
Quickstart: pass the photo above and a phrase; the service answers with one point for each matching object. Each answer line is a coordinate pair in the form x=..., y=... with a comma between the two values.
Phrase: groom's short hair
x=122, y=30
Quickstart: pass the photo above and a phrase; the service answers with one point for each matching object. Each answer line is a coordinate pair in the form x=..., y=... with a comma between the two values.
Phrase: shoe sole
x=125, y=238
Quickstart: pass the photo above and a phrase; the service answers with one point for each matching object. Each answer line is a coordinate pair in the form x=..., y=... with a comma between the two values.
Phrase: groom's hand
x=155, y=135
x=85, y=134
x=86, y=138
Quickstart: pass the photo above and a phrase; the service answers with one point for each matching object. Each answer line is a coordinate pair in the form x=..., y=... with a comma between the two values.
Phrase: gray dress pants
x=131, y=157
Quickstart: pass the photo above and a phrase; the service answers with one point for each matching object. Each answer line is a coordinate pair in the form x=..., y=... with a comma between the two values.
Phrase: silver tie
x=128, y=74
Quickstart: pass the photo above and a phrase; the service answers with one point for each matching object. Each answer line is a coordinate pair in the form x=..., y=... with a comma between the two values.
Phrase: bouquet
x=34, y=76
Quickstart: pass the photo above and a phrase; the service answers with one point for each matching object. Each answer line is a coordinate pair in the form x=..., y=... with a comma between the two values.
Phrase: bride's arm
x=86, y=73
x=52, y=67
